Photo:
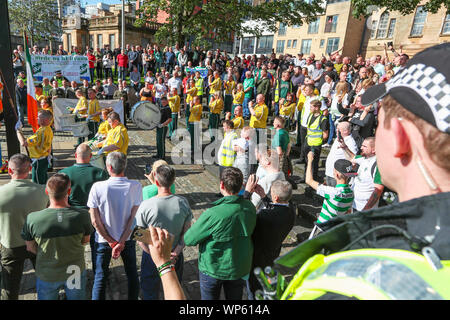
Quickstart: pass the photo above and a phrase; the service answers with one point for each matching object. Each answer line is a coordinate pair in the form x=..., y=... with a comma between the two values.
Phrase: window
x=248, y=45
x=69, y=41
x=383, y=25
x=313, y=27
x=446, y=27
x=294, y=43
x=306, y=46
x=280, y=46
x=331, y=24
x=289, y=43
x=112, y=41
x=91, y=41
x=374, y=29
x=332, y=45
x=282, y=30
x=322, y=43
x=100, y=41
x=418, y=22
x=391, y=28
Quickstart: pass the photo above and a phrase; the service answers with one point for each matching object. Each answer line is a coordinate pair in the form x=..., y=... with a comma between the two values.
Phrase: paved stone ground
x=196, y=182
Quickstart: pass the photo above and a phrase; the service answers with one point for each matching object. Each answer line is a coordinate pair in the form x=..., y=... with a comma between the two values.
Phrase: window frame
x=415, y=24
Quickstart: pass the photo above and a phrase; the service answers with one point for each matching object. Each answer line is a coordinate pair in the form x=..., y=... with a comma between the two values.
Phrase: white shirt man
x=175, y=82
x=336, y=152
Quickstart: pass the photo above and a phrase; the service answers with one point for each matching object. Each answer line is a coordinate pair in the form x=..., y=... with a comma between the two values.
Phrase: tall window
x=306, y=46
x=100, y=41
x=69, y=41
x=282, y=30
x=313, y=27
x=373, y=31
x=289, y=43
x=419, y=21
x=331, y=23
x=91, y=41
x=280, y=46
x=248, y=44
x=332, y=45
x=265, y=44
x=112, y=41
x=391, y=28
x=383, y=25
x=446, y=26
x=294, y=43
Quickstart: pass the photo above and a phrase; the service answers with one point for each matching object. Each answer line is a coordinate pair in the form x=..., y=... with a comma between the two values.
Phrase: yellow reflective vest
x=226, y=152
x=314, y=133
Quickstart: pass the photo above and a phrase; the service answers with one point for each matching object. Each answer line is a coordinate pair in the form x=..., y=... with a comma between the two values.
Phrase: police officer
x=412, y=147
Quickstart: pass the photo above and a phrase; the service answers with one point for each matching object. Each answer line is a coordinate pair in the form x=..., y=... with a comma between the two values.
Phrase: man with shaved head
x=82, y=176
x=17, y=199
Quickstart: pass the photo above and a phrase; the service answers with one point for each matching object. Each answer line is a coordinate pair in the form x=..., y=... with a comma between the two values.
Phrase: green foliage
x=39, y=18
x=405, y=7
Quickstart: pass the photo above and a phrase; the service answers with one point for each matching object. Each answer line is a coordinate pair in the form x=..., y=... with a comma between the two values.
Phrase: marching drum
x=146, y=115
x=66, y=121
x=80, y=129
x=96, y=160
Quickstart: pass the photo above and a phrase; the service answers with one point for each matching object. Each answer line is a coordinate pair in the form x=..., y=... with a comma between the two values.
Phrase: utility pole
x=12, y=142
x=123, y=25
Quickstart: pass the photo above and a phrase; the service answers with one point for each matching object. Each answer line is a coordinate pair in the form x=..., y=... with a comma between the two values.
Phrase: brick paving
x=196, y=182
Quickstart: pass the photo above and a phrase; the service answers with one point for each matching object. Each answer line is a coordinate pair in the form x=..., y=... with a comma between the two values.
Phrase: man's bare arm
x=98, y=225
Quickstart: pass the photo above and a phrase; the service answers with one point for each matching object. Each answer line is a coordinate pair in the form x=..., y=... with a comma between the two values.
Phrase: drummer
x=117, y=137
x=194, y=128
x=80, y=109
x=104, y=126
x=93, y=114
x=146, y=92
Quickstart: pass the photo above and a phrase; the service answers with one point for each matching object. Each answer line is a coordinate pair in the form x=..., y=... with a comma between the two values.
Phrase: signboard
x=74, y=68
x=203, y=71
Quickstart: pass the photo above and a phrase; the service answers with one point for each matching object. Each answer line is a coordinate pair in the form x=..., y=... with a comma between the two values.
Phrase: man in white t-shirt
x=368, y=182
x=113, y=205
x=336, y=152
x=175, y=82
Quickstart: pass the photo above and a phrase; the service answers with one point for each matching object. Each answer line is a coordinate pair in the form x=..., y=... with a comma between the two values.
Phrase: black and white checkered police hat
x=421, y=87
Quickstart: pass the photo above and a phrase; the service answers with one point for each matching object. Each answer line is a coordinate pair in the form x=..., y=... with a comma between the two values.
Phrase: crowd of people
x=318, y=100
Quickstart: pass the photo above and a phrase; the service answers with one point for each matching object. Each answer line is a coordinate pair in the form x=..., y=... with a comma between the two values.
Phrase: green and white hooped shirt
x=338, y=200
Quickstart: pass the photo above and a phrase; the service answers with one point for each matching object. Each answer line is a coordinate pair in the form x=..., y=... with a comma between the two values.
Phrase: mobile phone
x=142, y=235
x=148, y=169
x=339, y=135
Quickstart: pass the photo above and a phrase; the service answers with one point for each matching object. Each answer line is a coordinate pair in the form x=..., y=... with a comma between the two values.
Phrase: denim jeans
x=245, y=110
x=210, y=288
x=150, y=279
x=21, y=110
x=50, y=290
x=122, y=73
x=332, y=119
x=103, y=257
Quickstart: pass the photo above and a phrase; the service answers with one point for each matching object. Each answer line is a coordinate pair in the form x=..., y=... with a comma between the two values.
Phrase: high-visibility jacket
x=371, y=274
x=226, y=152
x=314, y=133
x=277, y=90
x=199, y=86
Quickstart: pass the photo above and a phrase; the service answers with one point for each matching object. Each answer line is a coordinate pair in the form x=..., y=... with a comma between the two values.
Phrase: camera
x=148, y=169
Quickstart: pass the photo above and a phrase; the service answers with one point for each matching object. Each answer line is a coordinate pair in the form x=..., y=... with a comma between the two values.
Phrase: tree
x=220, y=18
x=39, y=18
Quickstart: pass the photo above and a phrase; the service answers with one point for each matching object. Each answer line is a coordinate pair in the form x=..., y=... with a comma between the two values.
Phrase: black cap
x=329, y=64
x=421, y=87
x=345, y=167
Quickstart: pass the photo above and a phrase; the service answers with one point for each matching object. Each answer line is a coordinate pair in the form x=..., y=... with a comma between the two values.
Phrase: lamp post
x=123, y=25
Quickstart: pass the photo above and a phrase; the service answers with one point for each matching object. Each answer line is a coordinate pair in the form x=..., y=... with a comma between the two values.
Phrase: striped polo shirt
x=338, y=201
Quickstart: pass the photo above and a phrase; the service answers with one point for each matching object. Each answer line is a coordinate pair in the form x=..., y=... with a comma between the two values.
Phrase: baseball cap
x=422, y=87
x=345, y=167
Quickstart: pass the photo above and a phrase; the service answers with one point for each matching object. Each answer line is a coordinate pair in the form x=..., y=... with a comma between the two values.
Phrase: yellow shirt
x=190, y=94
x=82, y=103
x=94, y=107
x=301, y=102
x=238, y=122
x=259, y=120
x=216, y=85
x=287, y=109
x=229, y=86
x=40, y=143
x=103, y=128
x=174, y=103
x=239, y=97
x=118, y=136
x=196, y=113
x=216, y=106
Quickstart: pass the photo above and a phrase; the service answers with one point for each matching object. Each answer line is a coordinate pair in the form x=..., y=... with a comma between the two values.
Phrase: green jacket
x=223, y=234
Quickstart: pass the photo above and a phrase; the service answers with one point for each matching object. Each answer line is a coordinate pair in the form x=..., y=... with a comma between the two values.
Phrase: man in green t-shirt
x=57, y=236
x=223, y=234
x=82, y=176
x=282, y=146
x=17, y=199
x=249, y=84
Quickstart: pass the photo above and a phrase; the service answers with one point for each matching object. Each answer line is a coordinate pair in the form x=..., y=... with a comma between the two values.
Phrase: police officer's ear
x=400, y=139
